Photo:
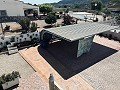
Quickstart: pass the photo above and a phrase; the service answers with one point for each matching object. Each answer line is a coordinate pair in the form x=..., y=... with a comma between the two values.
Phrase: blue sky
x=39, y=1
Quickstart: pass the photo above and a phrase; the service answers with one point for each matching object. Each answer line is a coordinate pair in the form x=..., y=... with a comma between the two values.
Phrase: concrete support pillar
x=84, y=45
x=51, y=82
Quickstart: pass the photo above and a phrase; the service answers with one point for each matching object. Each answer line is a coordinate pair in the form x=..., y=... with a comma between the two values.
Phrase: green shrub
x=33, y=26
x=9, y=77
x=46, y=8
x=2, y=79
x=51, y=19
x=67, y=20
x=25, y=23
x=15, y=74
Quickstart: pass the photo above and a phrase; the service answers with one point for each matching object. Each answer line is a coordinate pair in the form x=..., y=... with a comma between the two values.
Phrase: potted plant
x=9, y=80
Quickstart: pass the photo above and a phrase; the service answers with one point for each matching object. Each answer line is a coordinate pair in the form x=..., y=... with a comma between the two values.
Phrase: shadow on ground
x=62, y=57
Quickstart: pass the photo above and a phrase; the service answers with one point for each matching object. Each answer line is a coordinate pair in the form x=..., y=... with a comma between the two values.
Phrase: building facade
x=15, y=8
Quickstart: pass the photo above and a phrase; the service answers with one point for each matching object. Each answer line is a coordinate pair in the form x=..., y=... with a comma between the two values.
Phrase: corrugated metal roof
x=79, y=31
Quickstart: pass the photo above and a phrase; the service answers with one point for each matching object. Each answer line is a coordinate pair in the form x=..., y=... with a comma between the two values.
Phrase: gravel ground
x=104, y=75
x=15, y=62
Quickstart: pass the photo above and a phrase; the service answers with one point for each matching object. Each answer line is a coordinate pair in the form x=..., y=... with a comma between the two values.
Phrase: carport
x=83, y=33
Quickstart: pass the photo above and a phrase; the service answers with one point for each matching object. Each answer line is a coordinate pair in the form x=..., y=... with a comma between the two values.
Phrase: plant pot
x=10, y=84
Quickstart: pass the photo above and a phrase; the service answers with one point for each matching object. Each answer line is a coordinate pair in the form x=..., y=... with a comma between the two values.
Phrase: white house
x=15, y=8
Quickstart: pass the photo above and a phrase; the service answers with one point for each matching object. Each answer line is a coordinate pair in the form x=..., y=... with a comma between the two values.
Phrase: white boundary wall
x=19, y=38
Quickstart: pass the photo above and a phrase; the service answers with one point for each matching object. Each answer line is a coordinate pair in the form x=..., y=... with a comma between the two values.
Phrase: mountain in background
x=82, y=3
x=71, y=2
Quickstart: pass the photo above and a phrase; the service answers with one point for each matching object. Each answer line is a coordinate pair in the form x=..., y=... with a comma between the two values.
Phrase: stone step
x=12, y=51
x=8, y=46
x=12, y=48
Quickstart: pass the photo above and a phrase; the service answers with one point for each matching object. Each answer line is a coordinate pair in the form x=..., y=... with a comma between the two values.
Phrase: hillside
x=83, y=3
x=78, y=1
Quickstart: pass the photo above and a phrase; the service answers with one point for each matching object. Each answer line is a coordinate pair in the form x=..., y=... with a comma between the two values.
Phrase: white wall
x=26, y=36
x=18, y=37
x=6, y=39
x=13, y=8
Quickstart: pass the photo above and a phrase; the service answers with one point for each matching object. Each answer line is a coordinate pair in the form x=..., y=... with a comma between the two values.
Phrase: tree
x=67, y=20
x=27, y=25
x=51, y=18
x=46, y=8
x=96, y=5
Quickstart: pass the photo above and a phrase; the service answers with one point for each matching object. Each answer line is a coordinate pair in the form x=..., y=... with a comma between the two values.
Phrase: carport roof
x=79, y=31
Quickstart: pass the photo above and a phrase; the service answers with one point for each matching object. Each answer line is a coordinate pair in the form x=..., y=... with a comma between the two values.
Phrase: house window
x=3, y=13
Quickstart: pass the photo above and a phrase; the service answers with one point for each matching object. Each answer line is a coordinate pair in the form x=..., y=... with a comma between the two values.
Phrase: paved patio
x=46, y=62
x=104, y=75
x=15, y=62
x=64, y=55
x=44, y=68
x=32, y=82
